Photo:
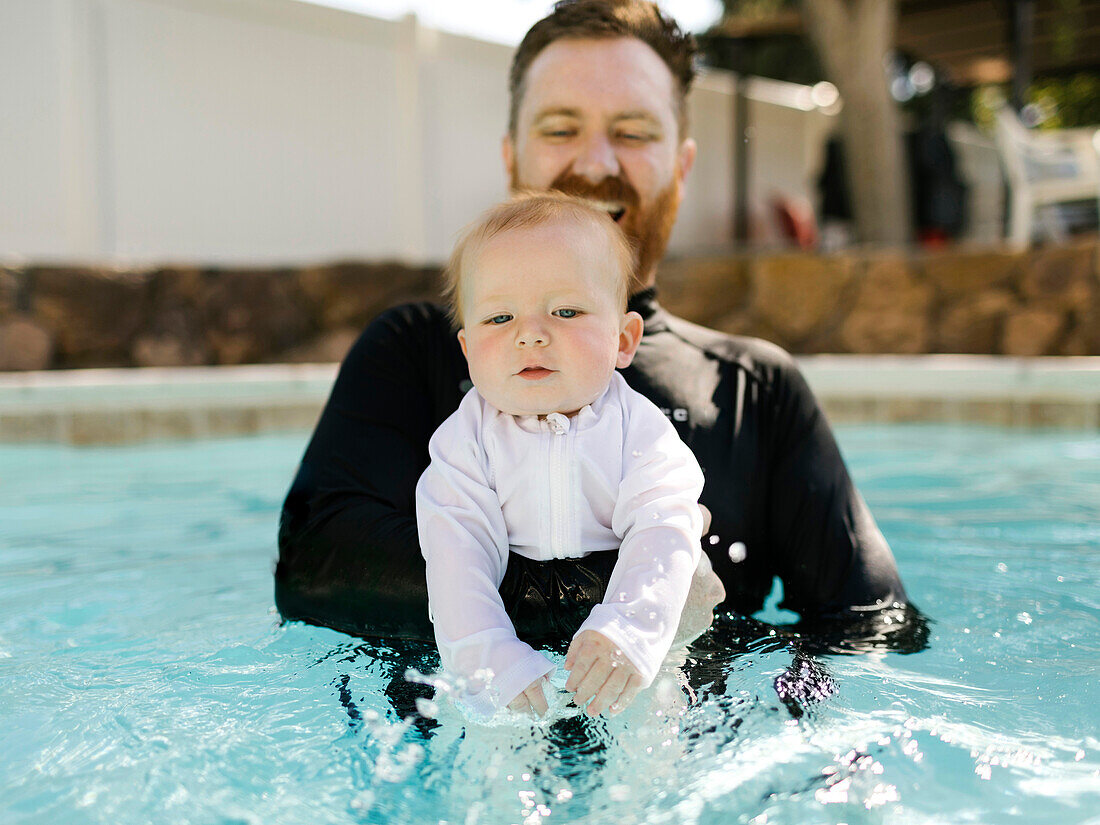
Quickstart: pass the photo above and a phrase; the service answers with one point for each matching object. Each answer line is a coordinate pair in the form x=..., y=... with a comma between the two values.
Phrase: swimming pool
x=144, y=676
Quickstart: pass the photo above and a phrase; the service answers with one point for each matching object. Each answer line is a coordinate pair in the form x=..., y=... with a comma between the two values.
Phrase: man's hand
x=532, y=700
x=599, y=671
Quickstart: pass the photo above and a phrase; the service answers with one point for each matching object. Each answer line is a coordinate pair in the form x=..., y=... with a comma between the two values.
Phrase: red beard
x=647, y=227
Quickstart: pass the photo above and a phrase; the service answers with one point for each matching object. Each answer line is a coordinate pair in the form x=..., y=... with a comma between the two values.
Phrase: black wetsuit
x=348, y=551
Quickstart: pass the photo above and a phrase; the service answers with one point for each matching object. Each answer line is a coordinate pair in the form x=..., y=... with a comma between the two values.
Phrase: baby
x=553, y=456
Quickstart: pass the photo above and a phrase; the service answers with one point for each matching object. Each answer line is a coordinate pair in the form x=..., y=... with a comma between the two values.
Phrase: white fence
x=277, y=132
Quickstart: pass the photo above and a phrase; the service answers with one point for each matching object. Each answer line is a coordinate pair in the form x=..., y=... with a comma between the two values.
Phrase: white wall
x=277, y=132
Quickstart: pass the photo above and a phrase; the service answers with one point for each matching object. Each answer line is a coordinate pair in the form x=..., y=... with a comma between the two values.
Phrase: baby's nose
x=532, y=336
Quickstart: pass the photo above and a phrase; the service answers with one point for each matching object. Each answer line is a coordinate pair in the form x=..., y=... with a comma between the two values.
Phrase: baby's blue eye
x=567, y=313
x=500, y=319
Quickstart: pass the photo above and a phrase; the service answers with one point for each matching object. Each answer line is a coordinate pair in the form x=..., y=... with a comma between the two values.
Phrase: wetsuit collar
x=645, y=304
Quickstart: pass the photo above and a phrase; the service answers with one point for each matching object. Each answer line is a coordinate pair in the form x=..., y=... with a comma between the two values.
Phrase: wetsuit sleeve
x=465, y=544
x=658, y=519
x=830, y=554
x=348, y=551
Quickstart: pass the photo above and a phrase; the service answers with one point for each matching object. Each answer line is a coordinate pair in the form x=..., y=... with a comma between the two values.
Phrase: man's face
x=542, y=324
x=598, y=119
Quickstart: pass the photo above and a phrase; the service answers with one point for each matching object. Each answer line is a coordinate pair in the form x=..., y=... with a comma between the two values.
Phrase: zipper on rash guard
x=559, y=483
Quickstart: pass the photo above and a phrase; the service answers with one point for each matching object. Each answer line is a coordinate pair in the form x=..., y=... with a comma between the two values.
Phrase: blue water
x=144, y=676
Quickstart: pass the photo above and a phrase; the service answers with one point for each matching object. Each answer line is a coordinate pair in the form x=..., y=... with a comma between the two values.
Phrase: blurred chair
x=1045, y=169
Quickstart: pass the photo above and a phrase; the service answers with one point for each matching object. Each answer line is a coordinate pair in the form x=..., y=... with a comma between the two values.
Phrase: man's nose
x=596, y=159
x=531, y=334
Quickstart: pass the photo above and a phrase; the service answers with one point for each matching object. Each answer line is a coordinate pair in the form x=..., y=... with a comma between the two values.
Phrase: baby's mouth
x=534, y=373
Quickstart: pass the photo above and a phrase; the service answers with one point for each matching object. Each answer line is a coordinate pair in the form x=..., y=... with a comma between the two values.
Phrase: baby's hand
x=600, y=671
x=532, y=700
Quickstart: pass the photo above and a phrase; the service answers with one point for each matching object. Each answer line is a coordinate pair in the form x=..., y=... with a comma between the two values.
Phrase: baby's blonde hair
x=526, y=210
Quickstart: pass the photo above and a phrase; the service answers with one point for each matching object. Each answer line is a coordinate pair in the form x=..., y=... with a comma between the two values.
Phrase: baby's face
x=542, y=328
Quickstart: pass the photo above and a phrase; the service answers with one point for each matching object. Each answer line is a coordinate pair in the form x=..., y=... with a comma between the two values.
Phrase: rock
x=9, y=291
x=233, y=348
x=166, y=350
x=351, y=294
x=93, y=315
x=326, y=348
x=1085, y=334
x=958, y=274
x=1076, y=343
x=890, y=312
x=974, y=324
x=174, y=331
x=1033, y=331
x=704, y=290
x=248, y=314
x=798, y=294
x=1061, y=273
x=24, y=344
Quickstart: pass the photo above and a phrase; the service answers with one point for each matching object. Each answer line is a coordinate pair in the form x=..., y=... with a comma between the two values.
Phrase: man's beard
x=647, y=228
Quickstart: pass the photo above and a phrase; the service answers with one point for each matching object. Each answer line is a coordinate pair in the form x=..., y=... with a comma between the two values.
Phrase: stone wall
x=1042, y=302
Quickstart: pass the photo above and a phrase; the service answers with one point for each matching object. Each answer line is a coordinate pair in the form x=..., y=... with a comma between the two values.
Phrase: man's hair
x=596, y=19
x=527, y=210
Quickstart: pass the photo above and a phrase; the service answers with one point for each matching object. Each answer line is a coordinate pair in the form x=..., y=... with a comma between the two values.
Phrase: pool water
x=144, y=676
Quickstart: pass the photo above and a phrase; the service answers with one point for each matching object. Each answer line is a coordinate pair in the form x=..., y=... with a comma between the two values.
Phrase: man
x=598, y=97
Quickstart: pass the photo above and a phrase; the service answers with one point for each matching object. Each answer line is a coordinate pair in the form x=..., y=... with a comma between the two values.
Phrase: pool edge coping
x=131, y=404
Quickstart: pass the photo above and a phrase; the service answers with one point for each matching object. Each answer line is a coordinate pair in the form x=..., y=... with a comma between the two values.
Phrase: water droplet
x=738, y=551
x=1024, y=618
x=654, y=515
x=637, y=453
x=363, y=801
x=1002, y=568
x=426, y=708
x=714, y=539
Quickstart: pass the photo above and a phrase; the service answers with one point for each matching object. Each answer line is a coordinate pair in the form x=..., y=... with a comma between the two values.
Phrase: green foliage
x=1067, y=103
x=1056, y=102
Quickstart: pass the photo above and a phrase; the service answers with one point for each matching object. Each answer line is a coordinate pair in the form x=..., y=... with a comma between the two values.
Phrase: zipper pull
x=559, y=424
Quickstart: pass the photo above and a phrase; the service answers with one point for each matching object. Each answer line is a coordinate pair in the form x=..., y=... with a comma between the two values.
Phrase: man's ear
x=685, y=157
x=508, y=155
x=630, y=335
x=462, y=341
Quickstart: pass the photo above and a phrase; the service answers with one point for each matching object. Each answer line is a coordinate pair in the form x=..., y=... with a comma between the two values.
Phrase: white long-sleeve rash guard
x=615, y=475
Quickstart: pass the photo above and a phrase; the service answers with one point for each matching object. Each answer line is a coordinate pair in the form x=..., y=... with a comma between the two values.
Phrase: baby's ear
x=630, y=335
x=462, y=341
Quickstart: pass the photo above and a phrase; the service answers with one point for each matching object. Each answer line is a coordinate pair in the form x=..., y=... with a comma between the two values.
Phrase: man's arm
x=832, y=558
x=349, y=557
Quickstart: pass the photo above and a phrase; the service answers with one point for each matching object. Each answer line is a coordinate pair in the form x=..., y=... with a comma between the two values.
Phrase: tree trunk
x=853, y=39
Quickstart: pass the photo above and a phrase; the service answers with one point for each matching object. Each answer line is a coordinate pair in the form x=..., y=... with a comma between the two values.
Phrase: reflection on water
x=144, y=675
